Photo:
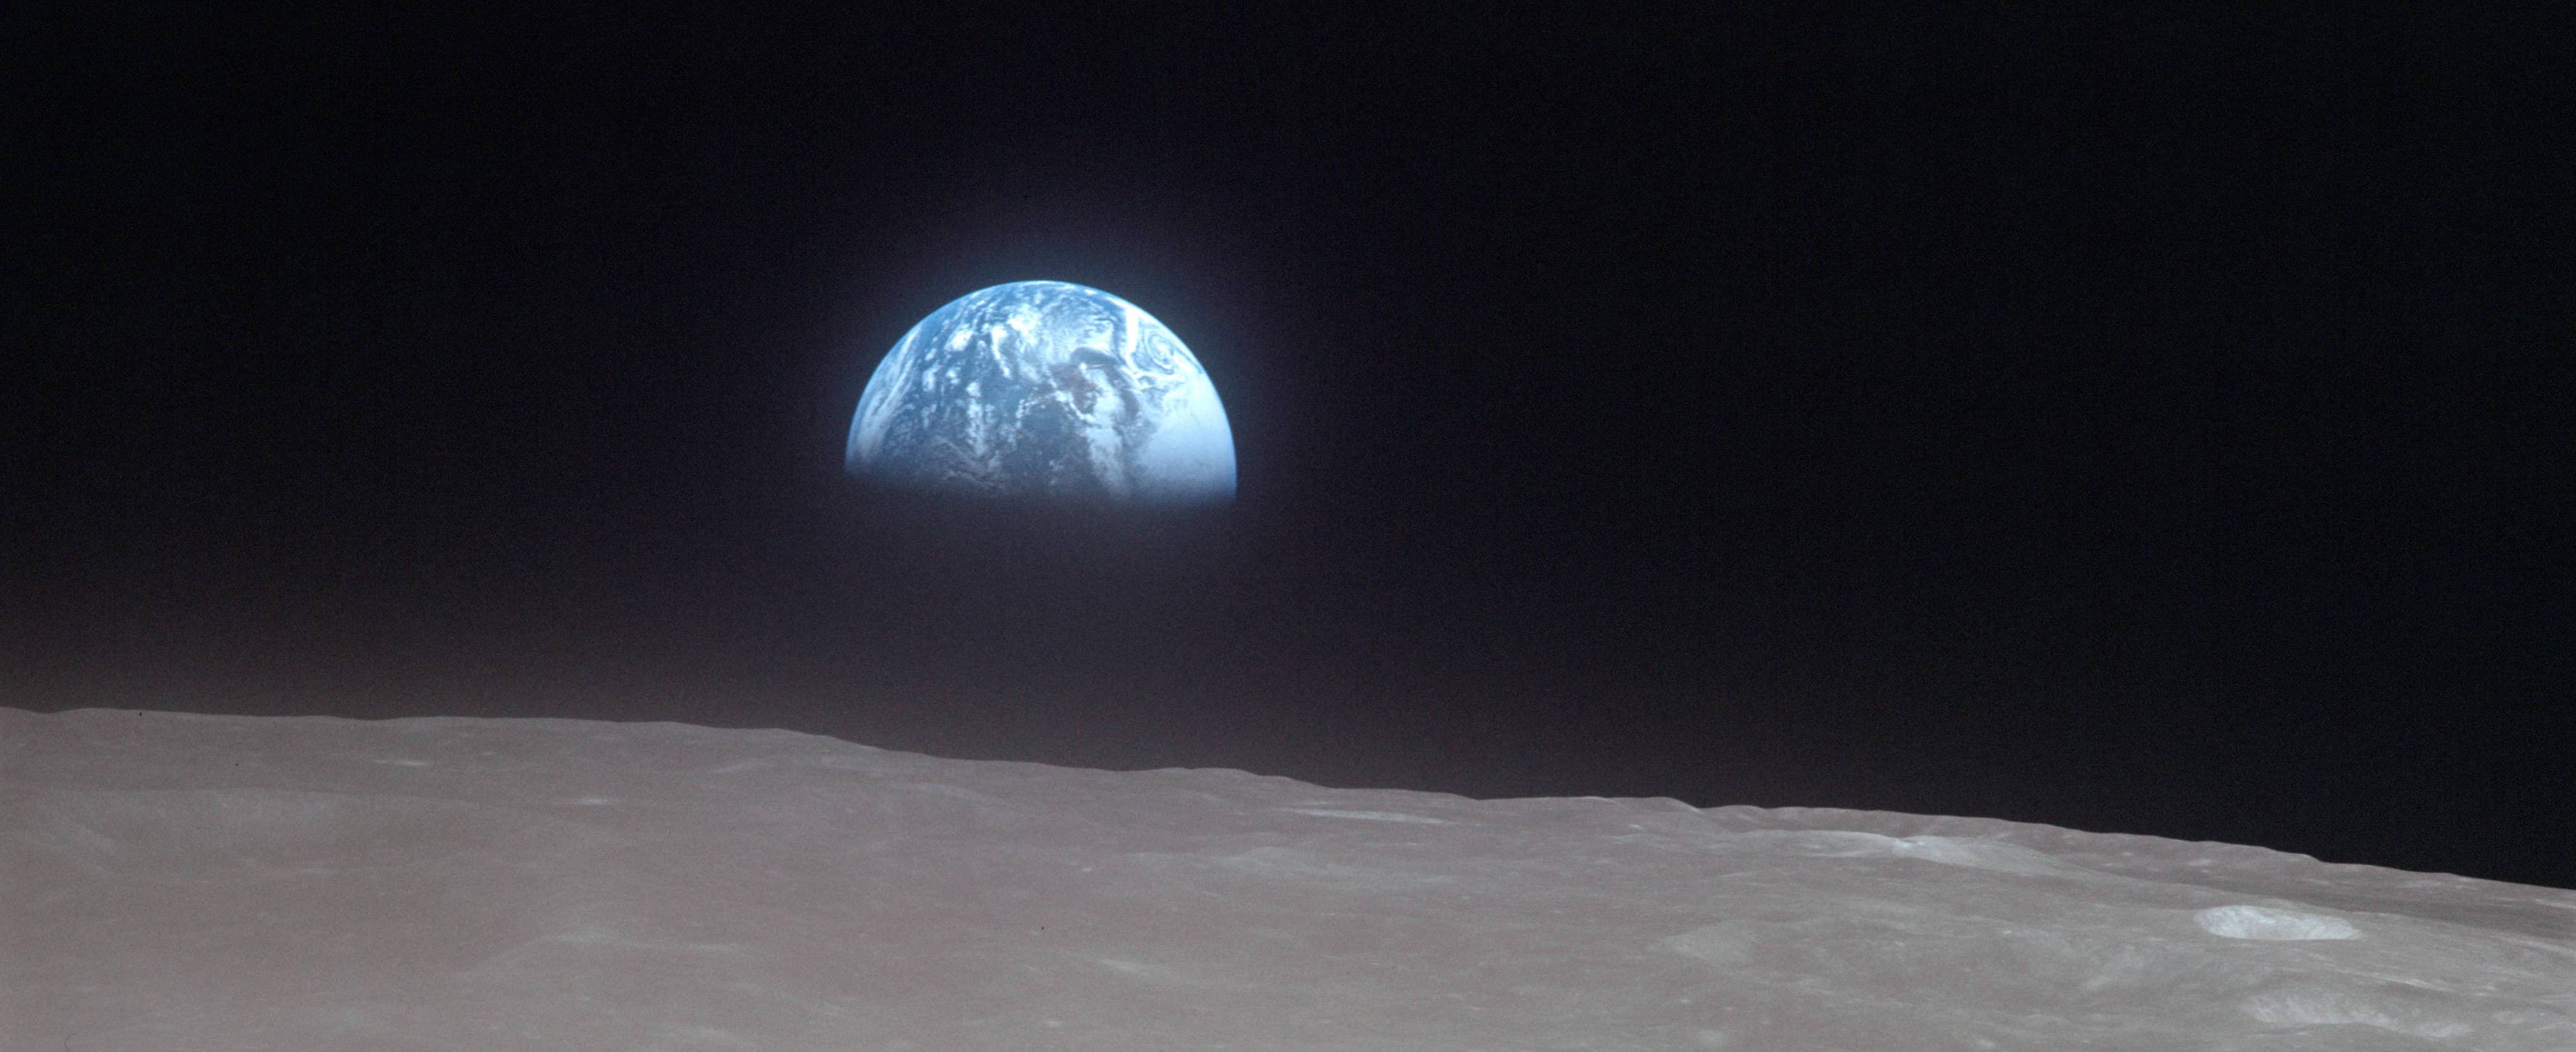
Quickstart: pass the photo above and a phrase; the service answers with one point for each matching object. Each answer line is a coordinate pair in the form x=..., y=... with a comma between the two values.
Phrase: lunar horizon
x=220, y=883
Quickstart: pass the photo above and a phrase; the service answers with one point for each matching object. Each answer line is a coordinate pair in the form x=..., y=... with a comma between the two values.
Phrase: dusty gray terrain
x=179, y=883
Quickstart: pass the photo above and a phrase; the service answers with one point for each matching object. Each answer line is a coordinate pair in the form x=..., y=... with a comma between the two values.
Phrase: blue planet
x=1045, y=389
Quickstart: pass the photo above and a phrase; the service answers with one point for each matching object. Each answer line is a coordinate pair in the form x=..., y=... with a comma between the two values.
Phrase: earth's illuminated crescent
x=1045, y=389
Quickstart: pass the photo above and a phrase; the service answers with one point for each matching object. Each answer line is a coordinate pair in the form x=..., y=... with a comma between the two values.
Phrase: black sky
x=2134, y=421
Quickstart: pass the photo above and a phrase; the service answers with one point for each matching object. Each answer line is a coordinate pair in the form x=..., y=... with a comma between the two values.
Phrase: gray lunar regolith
x=180, y=883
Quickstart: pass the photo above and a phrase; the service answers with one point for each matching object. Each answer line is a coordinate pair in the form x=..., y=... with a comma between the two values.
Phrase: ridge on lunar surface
x=184, y=883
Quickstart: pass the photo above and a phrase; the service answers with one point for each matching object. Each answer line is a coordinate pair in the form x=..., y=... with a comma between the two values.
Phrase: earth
x=1045, y=389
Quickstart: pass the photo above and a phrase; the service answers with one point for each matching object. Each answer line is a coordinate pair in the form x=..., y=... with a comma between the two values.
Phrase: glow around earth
x=1045, y=389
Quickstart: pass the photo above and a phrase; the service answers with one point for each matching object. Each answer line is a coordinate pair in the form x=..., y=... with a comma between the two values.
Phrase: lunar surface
x=1045, y=389
x=182, y=883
